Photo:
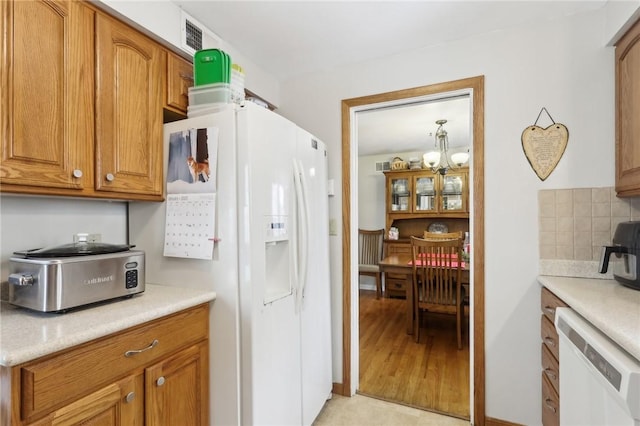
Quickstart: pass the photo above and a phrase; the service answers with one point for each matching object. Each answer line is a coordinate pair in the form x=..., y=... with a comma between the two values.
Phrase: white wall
x=562, y=65
x=34, y=222
x=162, y=19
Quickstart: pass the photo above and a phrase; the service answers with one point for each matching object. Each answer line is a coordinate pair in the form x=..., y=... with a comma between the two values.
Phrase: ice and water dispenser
x=277, y=258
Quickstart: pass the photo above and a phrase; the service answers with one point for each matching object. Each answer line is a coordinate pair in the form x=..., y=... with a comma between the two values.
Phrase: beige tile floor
x=361, y=410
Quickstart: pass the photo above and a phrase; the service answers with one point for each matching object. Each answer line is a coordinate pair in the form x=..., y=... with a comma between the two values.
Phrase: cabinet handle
x=550, y=373
x=160, y=381
x=137, y=351
x=130, y=397
x=186, y=76
x=77, y=173
x=109, y=177
x=548, y=402
x=550, y=309
x=549, y=341
x=21, y=280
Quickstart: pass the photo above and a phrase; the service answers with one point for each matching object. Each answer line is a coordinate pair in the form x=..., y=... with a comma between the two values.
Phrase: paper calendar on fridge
x=191, y=199
x=190, y=225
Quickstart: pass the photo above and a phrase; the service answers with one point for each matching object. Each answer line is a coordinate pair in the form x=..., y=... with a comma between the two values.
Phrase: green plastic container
x=211, y=66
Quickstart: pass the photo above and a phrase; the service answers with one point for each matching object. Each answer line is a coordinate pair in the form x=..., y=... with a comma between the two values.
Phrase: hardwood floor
x=431, y=374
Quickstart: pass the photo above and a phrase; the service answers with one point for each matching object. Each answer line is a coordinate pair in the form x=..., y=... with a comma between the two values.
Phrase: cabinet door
x=453, y=190
x=177, y=389
x=399, y=193
x=179, y=79
x=46, y=109
x=117, y=404
x=129, y=97
x=424, y=200
x=627, y=113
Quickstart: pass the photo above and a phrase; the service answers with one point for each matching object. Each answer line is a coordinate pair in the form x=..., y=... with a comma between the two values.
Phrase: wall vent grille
x=193, y=35
x=196, y=36
x=383, y=166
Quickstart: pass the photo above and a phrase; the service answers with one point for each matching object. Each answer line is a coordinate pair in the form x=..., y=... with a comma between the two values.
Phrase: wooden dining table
x=400, y=265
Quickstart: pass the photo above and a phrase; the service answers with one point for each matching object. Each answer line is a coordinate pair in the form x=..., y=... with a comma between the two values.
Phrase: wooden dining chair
x=437, y=274
x=370, y=245
x=442, y=235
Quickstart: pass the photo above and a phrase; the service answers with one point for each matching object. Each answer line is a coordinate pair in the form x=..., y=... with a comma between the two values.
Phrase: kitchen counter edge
x=26, y=335
x=611, y=307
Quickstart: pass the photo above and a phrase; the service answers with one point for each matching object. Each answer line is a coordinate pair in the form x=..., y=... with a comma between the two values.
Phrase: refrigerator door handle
x=303, y=210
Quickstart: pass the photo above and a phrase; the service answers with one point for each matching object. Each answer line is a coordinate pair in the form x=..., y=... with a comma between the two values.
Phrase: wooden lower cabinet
x=549, y=359
x=119, y=403
x=395, y=285
x=153, y=374
x=176, y=389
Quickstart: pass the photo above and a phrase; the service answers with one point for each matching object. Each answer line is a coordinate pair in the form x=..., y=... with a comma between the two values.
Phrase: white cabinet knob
x=160, y=381
x=77, y=173
x=109, y=177
x=130, y=397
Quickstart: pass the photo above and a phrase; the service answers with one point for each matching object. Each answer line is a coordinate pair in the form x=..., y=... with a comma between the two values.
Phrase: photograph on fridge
x=192, y=161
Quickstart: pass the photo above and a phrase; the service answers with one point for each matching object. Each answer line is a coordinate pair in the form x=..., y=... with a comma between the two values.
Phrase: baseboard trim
x=489, y=421
x=338, y=389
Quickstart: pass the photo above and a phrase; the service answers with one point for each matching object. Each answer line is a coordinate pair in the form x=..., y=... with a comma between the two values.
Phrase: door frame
x=474, y=85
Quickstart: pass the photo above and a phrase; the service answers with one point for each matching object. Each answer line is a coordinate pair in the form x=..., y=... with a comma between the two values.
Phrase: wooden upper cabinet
x=129, y=98
x=627, y=113
x=179, y=79
x=47, y=109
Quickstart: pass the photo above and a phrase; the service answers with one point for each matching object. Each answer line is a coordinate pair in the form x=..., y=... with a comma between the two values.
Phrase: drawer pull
x=549, y=403
x=137, y=351
x=550, y=373
x=160, y=381
x=130, y=397
x=549, y=341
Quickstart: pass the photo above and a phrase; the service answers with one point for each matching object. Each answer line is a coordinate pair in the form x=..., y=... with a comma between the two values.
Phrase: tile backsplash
x=576, y=223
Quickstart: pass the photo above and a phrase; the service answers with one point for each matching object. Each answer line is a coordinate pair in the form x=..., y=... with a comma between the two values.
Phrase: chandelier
x=439, y=161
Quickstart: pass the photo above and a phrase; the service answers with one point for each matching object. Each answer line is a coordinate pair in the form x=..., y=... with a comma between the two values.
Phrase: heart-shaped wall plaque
x=544, y=147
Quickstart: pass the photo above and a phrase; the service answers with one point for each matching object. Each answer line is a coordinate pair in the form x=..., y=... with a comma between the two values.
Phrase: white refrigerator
x=270, y=355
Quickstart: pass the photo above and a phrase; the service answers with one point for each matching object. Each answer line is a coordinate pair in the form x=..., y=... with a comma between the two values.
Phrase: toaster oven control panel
x=131, y=279
x=131, y=276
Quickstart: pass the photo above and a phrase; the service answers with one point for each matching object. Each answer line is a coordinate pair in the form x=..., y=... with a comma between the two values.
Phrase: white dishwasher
x=599, y=381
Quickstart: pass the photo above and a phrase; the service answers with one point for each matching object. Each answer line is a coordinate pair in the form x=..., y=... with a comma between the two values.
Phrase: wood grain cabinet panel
x=179, y=79
x=100, y=381
x=176, y=389
x=47, y=95
x=120, y=403
x=627, y=113
x=129, y=88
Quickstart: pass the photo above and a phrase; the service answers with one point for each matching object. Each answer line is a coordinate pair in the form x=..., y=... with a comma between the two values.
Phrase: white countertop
x=26, y=335
x=611, y=307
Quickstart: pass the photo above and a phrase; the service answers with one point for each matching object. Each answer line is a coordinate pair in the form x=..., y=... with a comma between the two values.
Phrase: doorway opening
x=475, y=88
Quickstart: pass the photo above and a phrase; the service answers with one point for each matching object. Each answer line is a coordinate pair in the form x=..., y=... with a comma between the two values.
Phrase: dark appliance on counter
x=626, y=248
x=60, y=278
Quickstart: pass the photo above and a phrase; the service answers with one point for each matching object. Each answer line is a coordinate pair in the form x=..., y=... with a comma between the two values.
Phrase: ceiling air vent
x=383, y=166
x=196, y=36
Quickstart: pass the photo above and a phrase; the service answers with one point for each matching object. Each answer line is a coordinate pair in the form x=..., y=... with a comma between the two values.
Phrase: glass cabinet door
x=425, y=194
x=400, y=194
x=453, y=186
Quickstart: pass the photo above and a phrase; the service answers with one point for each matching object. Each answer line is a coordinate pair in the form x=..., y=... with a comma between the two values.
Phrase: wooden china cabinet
x=412, y=194
x=415, y=199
